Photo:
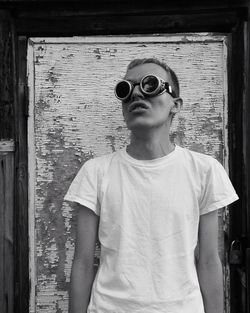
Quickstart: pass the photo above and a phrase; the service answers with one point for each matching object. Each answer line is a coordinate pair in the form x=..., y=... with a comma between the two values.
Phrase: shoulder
x=199, y=161
x=100, y=163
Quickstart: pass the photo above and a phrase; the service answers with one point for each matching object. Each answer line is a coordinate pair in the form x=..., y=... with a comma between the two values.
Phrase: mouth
x=138, y=106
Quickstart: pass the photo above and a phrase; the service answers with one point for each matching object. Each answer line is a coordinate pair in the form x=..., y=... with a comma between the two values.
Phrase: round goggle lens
x=150, y=84
x=122, y=89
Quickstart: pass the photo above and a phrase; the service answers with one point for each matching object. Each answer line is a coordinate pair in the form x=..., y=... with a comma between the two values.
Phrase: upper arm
x=208, y=237
x=86, y=234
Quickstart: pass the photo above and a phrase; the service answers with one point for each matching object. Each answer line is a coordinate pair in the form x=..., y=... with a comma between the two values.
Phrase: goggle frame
x=162, y=87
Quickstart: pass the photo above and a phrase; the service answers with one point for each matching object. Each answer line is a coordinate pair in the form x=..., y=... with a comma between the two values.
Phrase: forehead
x=137, y=72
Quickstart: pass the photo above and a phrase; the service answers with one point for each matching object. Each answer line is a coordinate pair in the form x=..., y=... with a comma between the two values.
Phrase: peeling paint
x=52, y=76
x=111, y=139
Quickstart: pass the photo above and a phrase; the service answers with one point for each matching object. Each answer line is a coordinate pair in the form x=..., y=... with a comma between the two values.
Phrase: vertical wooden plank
x=2, y=210
x=32, y=175
x=21, y=182
x=224, y=221
x=6, y=164
x=6, y=232
x=247, y=280
x=9, y=234
x=6, y=81
x=246, y=153
x=237, y=227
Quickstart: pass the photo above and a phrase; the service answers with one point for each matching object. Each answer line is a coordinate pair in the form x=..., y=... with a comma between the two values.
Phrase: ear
x=177, y=105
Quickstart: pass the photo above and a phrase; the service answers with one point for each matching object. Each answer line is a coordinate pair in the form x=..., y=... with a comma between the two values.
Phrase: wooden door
x=74, y=116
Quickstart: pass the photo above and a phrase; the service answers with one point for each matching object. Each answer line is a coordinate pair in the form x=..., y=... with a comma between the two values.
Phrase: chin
x=144, y=123
x=139, y=124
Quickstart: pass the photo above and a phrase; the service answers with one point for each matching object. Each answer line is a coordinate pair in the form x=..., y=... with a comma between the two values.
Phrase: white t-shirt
x=149, y=215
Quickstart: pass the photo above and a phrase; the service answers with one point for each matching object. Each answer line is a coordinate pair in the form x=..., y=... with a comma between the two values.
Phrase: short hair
x=173, y=76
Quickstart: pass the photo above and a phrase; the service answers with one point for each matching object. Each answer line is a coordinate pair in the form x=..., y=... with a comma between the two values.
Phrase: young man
x=151, y=203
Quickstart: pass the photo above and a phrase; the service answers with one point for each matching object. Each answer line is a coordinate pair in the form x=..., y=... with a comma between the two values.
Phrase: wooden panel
x=139, y=22
x=6, y=78
x=171, y=4
x=121, y=8
x=6, y=232
x=7, y=146
x=76, y=117
x=6, y=165
x=239, y=136
x=21, y=185
x=246, y=152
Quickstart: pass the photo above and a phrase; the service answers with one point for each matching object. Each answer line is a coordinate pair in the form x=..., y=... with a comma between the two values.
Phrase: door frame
x=117, y=17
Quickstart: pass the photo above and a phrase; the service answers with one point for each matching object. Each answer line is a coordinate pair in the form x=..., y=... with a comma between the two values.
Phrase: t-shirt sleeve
x=84, y=187
x=217, y=189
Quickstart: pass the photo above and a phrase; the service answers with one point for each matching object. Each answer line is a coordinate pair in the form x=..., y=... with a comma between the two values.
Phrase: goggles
x=150, y=86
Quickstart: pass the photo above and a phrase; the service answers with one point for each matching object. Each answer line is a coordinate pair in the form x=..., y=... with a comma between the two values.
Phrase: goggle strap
x=169, y=88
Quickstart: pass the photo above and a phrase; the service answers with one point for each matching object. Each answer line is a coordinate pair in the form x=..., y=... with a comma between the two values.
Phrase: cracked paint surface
x=77, y=117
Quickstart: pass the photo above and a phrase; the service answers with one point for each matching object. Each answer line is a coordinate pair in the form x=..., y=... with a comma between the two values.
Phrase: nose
x=136, y=93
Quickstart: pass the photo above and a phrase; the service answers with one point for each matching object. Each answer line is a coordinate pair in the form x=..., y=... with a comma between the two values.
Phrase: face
x=140, y=111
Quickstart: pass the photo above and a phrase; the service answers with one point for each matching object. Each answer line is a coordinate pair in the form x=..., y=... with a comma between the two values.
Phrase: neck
x=148, y=145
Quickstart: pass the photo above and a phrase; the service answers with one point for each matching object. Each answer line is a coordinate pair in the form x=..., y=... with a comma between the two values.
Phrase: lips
x=137, y=105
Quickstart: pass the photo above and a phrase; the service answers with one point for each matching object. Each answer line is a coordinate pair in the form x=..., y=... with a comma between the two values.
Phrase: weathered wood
x=6, y=165
x=6, y=232
x=76, y=117
x=246, y=153
x=6, y=78
x=21, y=187
x=171, y=4
x=7, y=145
x=124, y=24
x=247, y=280
x=2, y=231
x=41, y=10
x=237, y=214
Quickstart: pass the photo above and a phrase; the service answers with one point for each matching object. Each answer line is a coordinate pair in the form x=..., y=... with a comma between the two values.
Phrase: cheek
x=161, y=100
x=161, y=105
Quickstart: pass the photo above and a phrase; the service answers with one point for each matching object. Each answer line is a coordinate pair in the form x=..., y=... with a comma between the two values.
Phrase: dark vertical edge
x=2, y=209
x=6, y=82
x=9, y=233
x=246, y=153
x=236, y=164
x=6, y=232
x=248, y=280
x=6, y=166
x=21, y=177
